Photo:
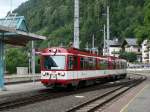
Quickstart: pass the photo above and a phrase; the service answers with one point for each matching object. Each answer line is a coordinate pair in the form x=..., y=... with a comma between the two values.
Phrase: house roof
x=131, y=41
x=113, y=43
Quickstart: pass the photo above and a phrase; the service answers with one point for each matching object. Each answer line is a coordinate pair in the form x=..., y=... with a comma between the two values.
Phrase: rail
x=95, y=103
x=117, y=88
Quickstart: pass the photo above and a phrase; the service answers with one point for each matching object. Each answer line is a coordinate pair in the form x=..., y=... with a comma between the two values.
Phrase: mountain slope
x=54, y=18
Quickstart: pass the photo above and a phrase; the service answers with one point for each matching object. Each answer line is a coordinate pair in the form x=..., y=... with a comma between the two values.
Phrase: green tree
x=15, y=58
x=129, y=56
x=54, y=19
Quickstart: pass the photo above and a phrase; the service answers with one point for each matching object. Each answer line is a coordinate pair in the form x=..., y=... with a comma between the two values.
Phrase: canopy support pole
x=2, y=62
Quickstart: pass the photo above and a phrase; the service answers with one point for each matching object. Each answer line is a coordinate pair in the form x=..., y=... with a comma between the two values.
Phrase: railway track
x=96, y=103
x=117, y=86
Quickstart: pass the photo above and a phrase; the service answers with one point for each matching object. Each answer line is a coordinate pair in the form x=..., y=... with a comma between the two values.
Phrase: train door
x=75, y=67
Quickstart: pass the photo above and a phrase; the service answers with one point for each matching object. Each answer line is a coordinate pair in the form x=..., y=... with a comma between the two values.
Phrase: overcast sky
x=5, y=6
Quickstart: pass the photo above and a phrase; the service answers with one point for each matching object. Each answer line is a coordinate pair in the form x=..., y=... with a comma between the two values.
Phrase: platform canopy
x=15, y=31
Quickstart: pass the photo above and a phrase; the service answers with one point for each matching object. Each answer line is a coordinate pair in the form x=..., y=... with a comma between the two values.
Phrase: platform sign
x=14, y=31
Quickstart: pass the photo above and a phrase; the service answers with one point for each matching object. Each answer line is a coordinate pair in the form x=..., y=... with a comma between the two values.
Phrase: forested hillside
x=54, y=19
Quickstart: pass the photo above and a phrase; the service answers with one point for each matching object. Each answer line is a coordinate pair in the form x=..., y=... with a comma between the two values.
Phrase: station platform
x=135, y=100
x=140, y=103
x=21, y=88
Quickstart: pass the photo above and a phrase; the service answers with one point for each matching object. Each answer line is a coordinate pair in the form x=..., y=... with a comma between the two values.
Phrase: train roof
x=70, y=50
x=73, y=51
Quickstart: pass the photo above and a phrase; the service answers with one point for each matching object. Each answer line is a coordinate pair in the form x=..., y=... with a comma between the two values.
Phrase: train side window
x=86, y=63
x=114, y=64
x=94, y=63
x=98, y=64
x=120, y=63
x=117, y=65
x=70, y=63
x=103, y=64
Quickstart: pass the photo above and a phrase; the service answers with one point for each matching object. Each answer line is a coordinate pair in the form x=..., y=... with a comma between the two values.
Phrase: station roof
x=15, y=31
x=14, y=22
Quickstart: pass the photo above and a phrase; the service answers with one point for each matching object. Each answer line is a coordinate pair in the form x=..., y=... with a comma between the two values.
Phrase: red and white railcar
x=70, y=66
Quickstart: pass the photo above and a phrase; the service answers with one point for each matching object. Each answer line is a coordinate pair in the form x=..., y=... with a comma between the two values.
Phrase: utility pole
x=108, y=29
x=104, y=31
x=93, y=44
x=87, y=46
x=33, y=59
x=76, y=24
x=104, y=49
x=48, y=44
x=10, y=6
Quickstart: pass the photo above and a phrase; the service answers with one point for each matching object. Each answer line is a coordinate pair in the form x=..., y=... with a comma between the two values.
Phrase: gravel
x=60, y=104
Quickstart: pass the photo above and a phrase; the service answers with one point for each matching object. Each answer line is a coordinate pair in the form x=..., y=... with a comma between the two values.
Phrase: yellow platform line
x=124, y=109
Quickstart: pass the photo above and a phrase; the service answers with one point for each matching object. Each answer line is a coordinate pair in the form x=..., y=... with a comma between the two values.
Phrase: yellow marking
x=124, y=109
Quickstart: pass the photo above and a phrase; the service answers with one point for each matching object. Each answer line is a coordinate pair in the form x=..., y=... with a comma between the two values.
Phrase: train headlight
x=54, y=50
x=44, y=74
x=62, y=74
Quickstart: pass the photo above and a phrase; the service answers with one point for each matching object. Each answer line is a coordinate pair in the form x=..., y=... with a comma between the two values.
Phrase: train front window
x=54, y=62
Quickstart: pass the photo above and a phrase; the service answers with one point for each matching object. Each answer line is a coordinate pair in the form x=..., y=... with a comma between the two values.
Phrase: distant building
x=127, y=45
x=114, y=47
x=145, y=51
x=131, y=45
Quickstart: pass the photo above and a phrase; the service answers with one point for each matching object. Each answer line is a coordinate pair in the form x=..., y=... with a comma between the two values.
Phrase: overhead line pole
x=108, y=28
x=104, y=49
x=33, y=60
x=104, y=31
x=76, y=24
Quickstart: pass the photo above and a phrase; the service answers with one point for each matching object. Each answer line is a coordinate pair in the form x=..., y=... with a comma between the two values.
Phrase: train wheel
x=71, y=87
x=82, y=84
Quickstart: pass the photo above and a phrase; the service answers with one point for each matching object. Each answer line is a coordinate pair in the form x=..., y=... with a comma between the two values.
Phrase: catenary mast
x=76, y=24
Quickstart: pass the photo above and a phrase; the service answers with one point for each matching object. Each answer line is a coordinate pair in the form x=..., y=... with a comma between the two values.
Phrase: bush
x=129, y=56
x=15, y=58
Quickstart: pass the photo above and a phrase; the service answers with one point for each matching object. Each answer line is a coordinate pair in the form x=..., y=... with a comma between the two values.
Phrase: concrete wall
x=22, y=70
x=21, y=78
